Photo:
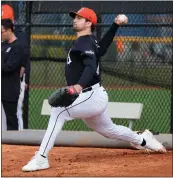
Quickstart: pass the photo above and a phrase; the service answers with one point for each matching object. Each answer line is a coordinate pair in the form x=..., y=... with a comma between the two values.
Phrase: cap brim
x=72, y=14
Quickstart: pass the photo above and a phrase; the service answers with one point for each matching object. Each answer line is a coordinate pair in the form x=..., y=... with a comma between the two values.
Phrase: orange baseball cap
x=85, y=13
x=7, y=12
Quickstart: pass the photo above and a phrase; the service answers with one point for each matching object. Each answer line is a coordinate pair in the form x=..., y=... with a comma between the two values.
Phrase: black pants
x=10, y=109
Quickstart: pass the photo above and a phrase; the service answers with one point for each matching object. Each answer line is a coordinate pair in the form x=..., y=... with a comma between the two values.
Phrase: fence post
x=171, y=131
x=28, y=33
x=171, y=128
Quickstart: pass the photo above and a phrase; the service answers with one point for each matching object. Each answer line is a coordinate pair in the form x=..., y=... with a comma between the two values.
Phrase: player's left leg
x=104, y=125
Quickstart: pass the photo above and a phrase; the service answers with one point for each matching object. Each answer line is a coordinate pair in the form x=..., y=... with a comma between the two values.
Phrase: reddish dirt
x=75, y=161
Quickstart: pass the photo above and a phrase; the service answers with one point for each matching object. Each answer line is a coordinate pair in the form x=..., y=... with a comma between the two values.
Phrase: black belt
x=88, y=89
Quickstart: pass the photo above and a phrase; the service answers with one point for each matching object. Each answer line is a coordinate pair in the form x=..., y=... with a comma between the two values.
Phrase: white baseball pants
x=20, y=104
x=4, y=119
x=91, y=108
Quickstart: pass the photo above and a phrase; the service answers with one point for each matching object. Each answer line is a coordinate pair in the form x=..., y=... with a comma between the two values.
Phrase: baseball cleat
x=38, y=162
x=152, y=145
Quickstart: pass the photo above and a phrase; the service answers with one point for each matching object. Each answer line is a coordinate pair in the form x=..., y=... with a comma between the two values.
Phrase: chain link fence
x=136, y=68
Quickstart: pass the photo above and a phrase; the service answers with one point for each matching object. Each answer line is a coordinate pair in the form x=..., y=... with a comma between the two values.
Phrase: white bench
x=119, y=110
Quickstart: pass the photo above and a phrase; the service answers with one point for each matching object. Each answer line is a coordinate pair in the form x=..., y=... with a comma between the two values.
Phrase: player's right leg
x=56, y=122
x=81, y=108
x=104, y=125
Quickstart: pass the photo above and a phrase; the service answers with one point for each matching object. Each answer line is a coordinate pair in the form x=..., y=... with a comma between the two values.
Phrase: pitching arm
x=109, y=36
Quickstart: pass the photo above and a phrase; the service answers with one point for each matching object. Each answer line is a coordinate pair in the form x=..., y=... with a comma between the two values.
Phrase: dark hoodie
x=12, y=55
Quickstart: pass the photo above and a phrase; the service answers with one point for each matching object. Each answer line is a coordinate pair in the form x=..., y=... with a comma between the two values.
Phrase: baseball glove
x=63, y=97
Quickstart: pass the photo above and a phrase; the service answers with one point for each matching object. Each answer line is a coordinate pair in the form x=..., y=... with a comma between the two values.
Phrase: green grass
x=155, y=115
x=160, y=74
x=47, y=73
x=46, y=76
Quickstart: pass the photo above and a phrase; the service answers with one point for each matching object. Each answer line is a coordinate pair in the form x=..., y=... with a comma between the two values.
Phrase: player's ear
x=88, y=23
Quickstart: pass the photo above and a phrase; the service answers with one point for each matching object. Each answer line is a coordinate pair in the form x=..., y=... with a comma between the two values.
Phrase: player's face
x=80, y=23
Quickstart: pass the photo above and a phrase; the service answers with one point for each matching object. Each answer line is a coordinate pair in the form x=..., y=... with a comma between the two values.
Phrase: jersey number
x=68, y=58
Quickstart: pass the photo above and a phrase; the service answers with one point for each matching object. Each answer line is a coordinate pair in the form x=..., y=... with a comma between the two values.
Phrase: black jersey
x=22, y=38
x=12, y=59
x=82, y=66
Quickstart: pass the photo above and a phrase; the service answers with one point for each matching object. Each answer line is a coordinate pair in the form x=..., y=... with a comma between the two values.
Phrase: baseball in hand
x=122, y=19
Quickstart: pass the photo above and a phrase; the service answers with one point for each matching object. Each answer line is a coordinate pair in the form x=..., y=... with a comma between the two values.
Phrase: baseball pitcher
x=84, y=97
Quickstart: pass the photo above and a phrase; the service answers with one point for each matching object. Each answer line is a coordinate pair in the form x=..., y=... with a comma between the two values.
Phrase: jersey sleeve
x=26, y=63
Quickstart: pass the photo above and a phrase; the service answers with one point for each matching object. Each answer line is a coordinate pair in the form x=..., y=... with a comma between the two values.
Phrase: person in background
x=12, y=59
x=8, y=13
